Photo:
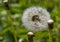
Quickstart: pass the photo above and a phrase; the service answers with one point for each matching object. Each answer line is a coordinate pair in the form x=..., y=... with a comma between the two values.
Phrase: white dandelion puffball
x=35, y=19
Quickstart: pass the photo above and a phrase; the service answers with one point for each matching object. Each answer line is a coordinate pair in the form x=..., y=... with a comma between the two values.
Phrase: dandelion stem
x=9, y=19
x=57, y=36
x=12, y=27
x=57, y=39
x=50, y=35
x=50, y=24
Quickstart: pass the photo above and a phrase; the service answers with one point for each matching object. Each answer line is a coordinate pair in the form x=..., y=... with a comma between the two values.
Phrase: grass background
x=11, y=29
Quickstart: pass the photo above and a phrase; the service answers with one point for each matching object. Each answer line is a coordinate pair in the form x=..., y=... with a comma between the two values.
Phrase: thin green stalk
x=29, y=2
x=50, y=35
x=12, y=27
x=57, y=36
x=57, y=39
x=50, y=24
x=10, y=21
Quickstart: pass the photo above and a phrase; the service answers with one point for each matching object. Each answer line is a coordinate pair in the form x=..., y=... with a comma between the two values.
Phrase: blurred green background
x=11, y=29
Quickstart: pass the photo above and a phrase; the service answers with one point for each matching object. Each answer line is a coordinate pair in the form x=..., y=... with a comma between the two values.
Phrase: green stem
x=10, y=21
x=50, y=35
x=29, y=2
x=57, y=39
x=30, y=39
x=57, y=35
x=12, y=27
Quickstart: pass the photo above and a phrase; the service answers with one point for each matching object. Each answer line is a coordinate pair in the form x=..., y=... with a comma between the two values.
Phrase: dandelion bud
x=50, y=23
x=6, y=4
x=30, y=36
x=5, y=1
x=30, y=33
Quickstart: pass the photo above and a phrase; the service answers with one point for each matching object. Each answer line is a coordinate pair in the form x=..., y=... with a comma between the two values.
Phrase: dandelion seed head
x=35, y=18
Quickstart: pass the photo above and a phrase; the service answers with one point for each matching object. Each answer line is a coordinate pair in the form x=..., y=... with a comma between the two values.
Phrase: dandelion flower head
x=35, y=19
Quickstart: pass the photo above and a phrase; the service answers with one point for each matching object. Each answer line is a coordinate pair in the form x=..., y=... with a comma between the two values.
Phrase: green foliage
x=11, y=28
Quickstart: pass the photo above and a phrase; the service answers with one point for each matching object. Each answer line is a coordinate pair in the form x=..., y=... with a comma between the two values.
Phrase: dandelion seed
x=35, y=19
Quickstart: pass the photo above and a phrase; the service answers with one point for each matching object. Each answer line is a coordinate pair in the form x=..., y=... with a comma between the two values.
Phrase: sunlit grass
x=19, y=31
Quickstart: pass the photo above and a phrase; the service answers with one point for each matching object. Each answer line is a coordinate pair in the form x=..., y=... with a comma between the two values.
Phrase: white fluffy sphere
x=35, y=19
